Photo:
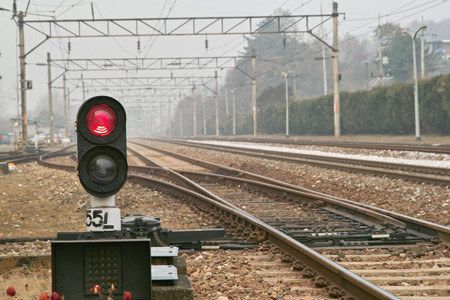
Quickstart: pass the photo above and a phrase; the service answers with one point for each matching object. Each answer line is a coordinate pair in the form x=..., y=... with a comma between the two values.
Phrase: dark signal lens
x=102, y=169
x=101, y=120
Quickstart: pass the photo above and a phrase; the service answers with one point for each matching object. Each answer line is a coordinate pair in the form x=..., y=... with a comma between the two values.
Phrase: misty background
x=301, y=54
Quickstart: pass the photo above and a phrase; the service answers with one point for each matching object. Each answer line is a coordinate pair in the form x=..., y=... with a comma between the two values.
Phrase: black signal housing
x=102, y=146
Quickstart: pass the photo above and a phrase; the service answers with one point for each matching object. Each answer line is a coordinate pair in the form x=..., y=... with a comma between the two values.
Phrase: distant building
x=441, y=47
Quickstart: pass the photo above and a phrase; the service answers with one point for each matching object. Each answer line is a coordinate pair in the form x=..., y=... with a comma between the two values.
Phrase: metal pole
x=68, y=110
x=337, y=127
x=254, y=92
x=65, y=107
x=23, y=86
x=380, y=58
x=234, y=113
x=181, y=120
x=422, y=59
x=181, y=124
x=287, y=107
x=216, y=95
x=194, y=95
x=170, y=129
x=204, y=114
x=286, y=75
x=416, y=93
x=161, y=115
x=422, y=56
x=82, y=83
x=50, y=104
x=324, y=63
x=152, y=121
x=226, y=101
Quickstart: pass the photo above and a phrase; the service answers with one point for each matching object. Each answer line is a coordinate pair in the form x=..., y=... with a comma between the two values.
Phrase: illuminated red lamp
x=101, y=120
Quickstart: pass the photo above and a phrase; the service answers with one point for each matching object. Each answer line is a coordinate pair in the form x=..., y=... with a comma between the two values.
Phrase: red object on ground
x=12, y=292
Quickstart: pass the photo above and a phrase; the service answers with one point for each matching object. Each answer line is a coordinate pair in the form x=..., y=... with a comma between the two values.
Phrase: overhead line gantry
x=242, y=25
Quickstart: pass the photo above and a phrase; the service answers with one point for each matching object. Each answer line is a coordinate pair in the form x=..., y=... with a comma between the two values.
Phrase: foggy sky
x=367, y=10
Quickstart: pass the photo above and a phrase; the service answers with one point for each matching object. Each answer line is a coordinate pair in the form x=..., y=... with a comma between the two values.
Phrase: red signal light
x=101, y=120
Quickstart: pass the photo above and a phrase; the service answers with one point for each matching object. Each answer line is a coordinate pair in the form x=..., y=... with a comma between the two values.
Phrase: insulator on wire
x=284, y=41
x=206, y=43
x=139, y=45
x=69, y=45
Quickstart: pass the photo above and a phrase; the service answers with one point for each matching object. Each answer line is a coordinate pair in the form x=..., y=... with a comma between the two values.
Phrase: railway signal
x=104, y=254
x=102, y=154
x=102, y=159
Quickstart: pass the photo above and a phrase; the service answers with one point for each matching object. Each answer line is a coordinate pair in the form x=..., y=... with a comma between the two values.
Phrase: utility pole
x=153, y=120
x=170, y=129
x=161, y=115
x=337, y=126
x=324, y=64
x=82, y=83
x=286, y=75
x=194, y=95
x=226, y=100
x=50, y=104
x=380, y=58
x=204, y=113
x=234, y=113
x=254, y=92
x=216, y=95
x=23, y=86
x=179, y=110
x=65, y=107
x=416, y=91
x=68, y=110
x=422, y=56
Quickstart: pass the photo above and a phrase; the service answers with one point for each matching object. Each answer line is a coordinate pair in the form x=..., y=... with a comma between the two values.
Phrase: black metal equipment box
x=79, y=265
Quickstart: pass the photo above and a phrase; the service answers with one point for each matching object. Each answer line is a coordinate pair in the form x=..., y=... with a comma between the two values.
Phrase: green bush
x=382, y=110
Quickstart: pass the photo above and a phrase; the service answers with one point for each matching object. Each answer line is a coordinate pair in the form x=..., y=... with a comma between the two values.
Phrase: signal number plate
x=103, y=219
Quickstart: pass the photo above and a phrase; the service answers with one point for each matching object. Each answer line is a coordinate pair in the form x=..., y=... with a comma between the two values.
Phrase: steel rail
x=443, y=149
x=185, y=181
x=17, y=158
x=338, y=279
x=418, y=225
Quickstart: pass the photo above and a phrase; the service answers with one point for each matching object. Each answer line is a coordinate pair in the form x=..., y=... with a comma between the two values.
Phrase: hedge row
x=382, y=110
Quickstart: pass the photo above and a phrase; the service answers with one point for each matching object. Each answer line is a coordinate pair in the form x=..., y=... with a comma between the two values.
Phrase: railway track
x=320, y=271
x=399, y=261
x=409, y=172
x=22, y=158
x=443, y=149
x=415, y=247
